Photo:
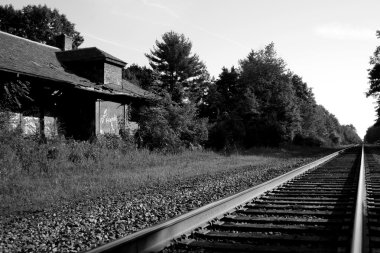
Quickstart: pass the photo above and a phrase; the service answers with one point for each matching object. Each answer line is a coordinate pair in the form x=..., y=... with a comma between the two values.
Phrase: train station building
x=78, y=93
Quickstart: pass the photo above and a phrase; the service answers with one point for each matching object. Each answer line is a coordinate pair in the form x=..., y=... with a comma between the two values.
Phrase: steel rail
x=158, y=237
x=358, y=229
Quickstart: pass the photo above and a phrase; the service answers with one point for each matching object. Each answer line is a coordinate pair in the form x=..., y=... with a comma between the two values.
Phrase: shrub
x=170, y=127
x=307, y=141
x=113, y=142
x=373, y=134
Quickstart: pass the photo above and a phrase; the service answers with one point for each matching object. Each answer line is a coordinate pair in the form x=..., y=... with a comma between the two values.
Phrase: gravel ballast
x=75, y=227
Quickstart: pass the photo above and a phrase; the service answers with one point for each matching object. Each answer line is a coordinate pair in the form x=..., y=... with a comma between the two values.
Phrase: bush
x=170, y=127
x=111, y=141
x=26, y=155
x=372, y=134
x=307, y=141
x=227, y=134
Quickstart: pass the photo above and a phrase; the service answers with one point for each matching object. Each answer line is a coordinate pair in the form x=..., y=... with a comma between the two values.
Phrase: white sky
x=327, y=42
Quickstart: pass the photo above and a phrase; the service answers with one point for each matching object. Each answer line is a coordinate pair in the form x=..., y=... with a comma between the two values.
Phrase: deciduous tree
x=141, y=76
x=264, y=74
x=170, y=127
x=372, y=134
x=263, y=103
x=38, y=23
x=306, y=103
x=374, y=77
x=229, y=109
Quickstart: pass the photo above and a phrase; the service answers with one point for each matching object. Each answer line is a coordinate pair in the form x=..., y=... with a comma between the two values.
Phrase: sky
x=326, y=42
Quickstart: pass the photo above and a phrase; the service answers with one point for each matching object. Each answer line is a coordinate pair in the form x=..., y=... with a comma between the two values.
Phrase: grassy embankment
x=35, y=176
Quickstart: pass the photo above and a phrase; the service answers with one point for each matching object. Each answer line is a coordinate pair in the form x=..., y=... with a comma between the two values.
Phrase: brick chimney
x=64, y=42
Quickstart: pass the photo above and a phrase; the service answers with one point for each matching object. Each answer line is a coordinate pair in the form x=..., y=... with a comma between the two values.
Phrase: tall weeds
x=35, y=175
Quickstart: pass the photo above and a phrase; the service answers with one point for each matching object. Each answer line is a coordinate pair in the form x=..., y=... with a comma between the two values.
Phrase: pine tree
x=182, y=73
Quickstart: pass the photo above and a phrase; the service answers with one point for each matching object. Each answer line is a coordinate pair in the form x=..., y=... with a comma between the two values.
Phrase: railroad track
x=373, y=197
x=316, y=208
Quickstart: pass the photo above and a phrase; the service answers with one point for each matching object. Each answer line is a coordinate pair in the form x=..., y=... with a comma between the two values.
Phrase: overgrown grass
x=35, y=176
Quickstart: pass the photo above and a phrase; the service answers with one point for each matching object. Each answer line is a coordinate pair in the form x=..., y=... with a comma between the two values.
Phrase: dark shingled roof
x=34, y=59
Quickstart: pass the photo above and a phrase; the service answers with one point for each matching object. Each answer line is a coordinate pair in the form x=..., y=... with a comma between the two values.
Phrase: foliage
x=38, y=23
x=181, y=73
x=374, y=73
x=230, y=110
x=13, y=93
x=374, y=77
x=323, y=129
x=265, y=75
x=372, y=134
x=124, y=142
x=263, y=103
x=255, y=105
x=350, y=135
x=179, y=77
x=26, y=155
x=141, y=76
x=171, y=127
x=307, y=106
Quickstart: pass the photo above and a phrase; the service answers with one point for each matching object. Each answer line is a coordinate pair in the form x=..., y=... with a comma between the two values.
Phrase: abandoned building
x=78, y=93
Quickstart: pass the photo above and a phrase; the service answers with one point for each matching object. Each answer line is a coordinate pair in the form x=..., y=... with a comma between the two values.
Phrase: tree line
x=373, y=132
x=260, y=102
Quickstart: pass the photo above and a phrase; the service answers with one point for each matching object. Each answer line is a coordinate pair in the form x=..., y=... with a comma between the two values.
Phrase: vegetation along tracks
x=311, y=209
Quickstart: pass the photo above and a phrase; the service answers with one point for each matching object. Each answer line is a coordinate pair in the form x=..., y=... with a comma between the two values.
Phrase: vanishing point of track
x=320, y=207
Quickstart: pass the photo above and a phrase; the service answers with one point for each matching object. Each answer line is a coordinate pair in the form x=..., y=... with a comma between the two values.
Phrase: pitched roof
x=132, y=89
x=34, y=59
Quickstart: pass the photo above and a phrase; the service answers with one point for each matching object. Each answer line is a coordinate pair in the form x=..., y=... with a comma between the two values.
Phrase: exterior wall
x=76, y=116
x=110, y=117
x=93, y=71
x=30, y=125
x=112, y=74
x=98, y=72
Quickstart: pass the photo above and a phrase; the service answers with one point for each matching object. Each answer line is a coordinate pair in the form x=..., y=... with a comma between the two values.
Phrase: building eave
x=96, y=88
